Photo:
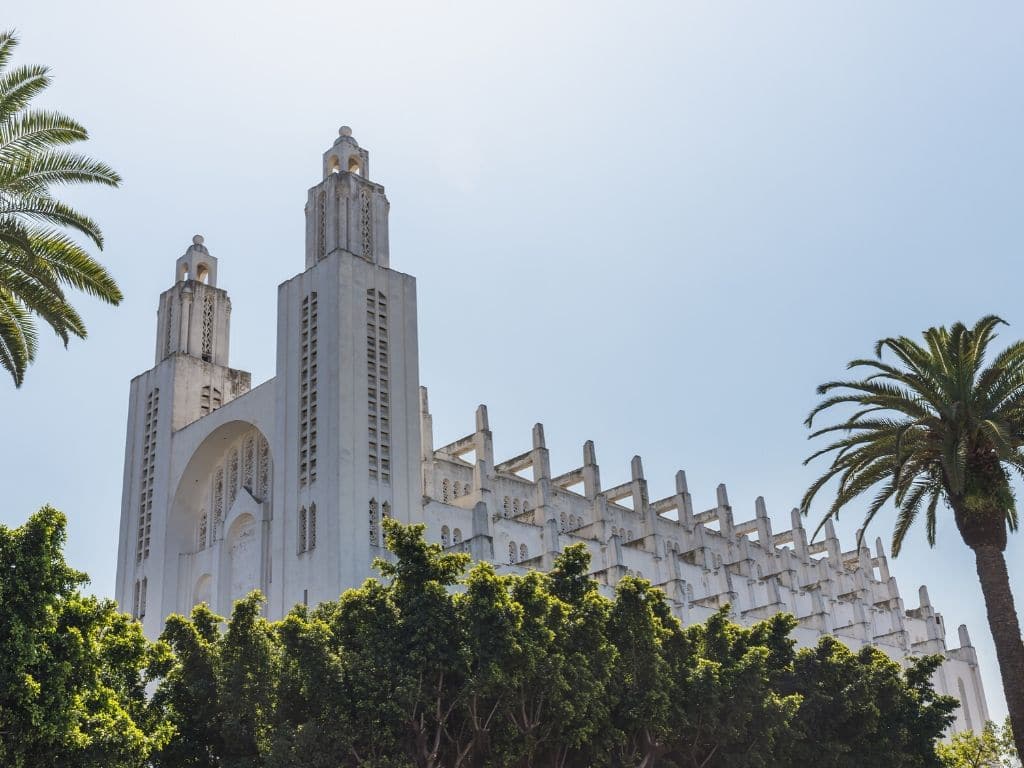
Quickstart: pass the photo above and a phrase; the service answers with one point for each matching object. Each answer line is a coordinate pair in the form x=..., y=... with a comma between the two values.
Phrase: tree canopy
x=438, y=664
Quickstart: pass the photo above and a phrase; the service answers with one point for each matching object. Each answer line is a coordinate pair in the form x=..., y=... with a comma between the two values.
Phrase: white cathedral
x=282, y=487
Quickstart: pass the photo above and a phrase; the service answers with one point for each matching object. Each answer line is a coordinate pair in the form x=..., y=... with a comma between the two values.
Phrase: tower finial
x=198, y=240
x=344, y=131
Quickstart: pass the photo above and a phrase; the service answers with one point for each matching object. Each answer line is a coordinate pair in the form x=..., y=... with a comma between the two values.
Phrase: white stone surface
x=282, y=487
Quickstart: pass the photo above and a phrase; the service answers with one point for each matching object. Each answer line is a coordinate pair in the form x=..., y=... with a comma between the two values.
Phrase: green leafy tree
x=861, y=710
x=38, y=260
x=641, y=688
x=72, y=669
x=188, y=690
x=993, y=748
x=939, y=426
x=247, y=674
x=732, y=713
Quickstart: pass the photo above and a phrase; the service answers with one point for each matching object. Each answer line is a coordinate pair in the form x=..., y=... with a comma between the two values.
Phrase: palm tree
x=939, y=426
x=38, y=260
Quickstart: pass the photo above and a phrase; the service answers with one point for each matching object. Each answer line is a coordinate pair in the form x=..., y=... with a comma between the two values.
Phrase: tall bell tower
x=347, y=388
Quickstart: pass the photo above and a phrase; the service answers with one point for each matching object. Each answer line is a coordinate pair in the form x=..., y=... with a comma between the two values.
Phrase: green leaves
x=72, y=669
x=37, y=260
x=934, y=426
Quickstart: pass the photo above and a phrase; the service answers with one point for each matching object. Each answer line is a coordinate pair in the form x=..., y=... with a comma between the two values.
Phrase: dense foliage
x=942, y=423
x=38, y=259
x=993, y=748
x=434, y=666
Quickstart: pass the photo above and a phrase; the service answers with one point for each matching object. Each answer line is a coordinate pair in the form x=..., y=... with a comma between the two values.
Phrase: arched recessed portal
x=236, y=508
x=354, y=166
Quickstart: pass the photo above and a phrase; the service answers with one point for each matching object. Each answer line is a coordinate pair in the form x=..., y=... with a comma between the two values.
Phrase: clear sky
x=657, y=226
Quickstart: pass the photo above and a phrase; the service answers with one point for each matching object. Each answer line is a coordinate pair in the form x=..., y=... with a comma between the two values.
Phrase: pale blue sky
x=657, y=226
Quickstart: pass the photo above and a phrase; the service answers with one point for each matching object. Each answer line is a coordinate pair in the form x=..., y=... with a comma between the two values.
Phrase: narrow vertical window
x=456, y=536
x=444, y=536
x=233, y=477
x=202, y=529
x=249, y=463
x=511, y=552
x=218, y=503
x=208, y=327
x=523, y=553
x=378, y=391
x=170, y=326
x=142, y=598
x=308, y=390
x=321, y=224
x=264, y=473
x=506, y=507
x=301, y=546
x=366, y=225
x=147, y=471
x=374, y=523
x=311, y=528
x=446, y=491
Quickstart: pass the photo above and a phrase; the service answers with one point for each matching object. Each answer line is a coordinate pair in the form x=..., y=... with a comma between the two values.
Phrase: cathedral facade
x=282, y=487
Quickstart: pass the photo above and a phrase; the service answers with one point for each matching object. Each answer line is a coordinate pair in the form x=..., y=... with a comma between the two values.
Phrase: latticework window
x=303, y=530
x=308, y=390
x=249, y=462
x=203, y=518
x=512, y=552
x=311, y=528
x=374, y=515
x=232, y=477
x=366, y=225
x=378, y=391
x=523, y=553
x=218, y=502
x=444, y=536
x=456, y=536
x=208, y=328
x=321, y=231
x=147, y=470
x=264, y=471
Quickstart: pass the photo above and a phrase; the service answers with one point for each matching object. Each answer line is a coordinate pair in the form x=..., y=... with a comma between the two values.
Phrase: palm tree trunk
x=1002, y=621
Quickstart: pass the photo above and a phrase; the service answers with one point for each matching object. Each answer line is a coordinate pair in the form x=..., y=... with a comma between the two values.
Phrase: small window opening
x=353, y=166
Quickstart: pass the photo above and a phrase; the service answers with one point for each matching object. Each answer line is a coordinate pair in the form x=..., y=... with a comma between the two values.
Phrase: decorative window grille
x=561, y=522
x=135, y=598
x=378, y=391
x=446, y=491
x=232, y=477
x=147, y=470
x=203, y=517
x=515, y=507
x=311, y=528
x=264, y=471
x=524, y=553
x=170, y=326
x=308, y=390
x=374, y=523
x=321, y=224
x=444, y=536
x=457, y=536
x=218, y=503
x=466, y=489
x=142, y=598
x=208, y=328
x=302, y=530
x=506, y=506
x=455, y=489
x=366, y=225
x=385, y=509
x=512, y=552
x=249, y=463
